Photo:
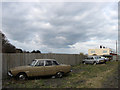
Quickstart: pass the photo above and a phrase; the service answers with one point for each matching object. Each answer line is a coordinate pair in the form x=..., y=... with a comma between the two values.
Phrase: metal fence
x=19, y=59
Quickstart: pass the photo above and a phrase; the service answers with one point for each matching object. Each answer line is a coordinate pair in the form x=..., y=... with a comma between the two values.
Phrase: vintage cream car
x=40, y=67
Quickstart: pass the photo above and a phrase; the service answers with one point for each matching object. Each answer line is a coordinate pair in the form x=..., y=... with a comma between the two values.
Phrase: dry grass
x=83, y=76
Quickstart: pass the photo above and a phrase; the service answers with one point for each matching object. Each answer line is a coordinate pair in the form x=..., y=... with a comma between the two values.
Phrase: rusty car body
x=40, y=67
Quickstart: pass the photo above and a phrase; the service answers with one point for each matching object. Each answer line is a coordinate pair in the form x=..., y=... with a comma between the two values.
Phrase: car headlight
x=9, y=73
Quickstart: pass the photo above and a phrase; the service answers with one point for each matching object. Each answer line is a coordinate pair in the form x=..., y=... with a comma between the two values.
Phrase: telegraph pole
x=116, y=52
x=0, y=60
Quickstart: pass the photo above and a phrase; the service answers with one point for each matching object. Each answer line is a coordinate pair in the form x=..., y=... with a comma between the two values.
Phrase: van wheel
x=22, y=76
x=59, y=75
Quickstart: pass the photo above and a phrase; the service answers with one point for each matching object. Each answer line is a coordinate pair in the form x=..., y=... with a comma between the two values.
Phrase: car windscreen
x=40, y=63
x=99, y=57
x=33, y=63
x=55, y=63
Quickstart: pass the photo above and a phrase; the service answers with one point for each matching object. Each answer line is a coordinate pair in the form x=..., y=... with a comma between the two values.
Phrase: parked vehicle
x=106, y=59
x=93, y=60
x=40, y=67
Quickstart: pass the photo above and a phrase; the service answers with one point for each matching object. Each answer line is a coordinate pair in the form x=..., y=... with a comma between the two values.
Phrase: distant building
x=101, y=51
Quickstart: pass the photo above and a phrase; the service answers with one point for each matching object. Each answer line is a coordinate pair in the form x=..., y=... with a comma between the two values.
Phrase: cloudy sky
x=62, y=27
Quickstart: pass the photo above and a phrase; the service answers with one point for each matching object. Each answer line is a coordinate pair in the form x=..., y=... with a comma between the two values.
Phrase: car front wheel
x=22, y=76
x=59, y=75
x=84, y=63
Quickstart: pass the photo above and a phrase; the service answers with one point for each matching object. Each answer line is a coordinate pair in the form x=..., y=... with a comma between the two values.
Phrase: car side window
x=48, y=63
x=55, y=63
x=40, y=63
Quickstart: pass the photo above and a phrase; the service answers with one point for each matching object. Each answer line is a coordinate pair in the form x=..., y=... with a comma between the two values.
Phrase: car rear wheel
x=59, y=75
x=21, y=76
x=104, y=62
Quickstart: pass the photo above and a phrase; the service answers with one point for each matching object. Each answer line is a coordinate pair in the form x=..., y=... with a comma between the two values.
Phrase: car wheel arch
x=60, y=71
x=21, y=73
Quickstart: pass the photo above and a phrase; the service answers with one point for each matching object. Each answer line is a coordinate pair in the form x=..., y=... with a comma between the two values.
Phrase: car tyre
x=59, y=75
x=104, y=62
x=94, y=63
x=84, y=63
x=22, y=76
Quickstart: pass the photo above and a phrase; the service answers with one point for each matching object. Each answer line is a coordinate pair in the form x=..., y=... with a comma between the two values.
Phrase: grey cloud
x=58, y=25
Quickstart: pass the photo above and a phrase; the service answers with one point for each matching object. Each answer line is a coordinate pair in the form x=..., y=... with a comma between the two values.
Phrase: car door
x=50, y=69
x=38, y=69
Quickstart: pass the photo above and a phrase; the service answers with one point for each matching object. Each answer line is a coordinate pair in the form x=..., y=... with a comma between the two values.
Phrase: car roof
x=94, y=56
x=46, y=59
